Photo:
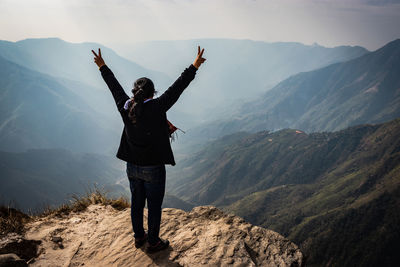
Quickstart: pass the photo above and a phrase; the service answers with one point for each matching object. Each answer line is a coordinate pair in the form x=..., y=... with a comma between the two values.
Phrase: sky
x=368, y=23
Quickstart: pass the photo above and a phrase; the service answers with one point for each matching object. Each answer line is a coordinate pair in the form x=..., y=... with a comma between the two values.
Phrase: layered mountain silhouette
x=73, y=61
x=335, y=194
x=362, y=90
x=70, y=67
x=37, y=111
x=66, y=91
x=236, y=70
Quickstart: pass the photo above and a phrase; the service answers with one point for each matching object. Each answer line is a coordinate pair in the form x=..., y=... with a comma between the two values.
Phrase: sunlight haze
x=366, y=23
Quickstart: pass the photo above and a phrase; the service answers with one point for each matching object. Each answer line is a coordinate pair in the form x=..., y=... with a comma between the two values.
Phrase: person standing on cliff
x=145, y=145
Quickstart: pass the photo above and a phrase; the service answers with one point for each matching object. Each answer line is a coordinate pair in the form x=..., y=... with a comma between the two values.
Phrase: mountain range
x=259, y=66
x=235, y=70
x=37, y=111
x=73, y=61
x=362, y=90
x=336, y=194
x=70, y=94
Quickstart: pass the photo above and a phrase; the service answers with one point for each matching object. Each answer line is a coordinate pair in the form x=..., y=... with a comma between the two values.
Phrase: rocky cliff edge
x=102, y=236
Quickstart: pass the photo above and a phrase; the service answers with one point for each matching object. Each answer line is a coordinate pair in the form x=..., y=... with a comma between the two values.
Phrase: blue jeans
x=146, y=182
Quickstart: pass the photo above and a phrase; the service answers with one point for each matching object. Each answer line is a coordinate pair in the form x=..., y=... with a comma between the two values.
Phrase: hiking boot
x=160, y=245
x=140, y=241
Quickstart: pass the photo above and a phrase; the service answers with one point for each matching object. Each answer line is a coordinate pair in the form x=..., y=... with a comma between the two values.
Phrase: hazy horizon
x=366, y=23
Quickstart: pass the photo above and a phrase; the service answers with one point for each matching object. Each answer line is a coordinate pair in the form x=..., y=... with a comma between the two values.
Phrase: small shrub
x=120, y=203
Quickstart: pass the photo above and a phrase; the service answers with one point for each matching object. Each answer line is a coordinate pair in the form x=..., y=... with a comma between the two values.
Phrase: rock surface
x=102, y=236
x=23, y=248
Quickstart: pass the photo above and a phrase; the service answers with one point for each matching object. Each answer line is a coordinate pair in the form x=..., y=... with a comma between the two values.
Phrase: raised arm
x=116, y=89
x=171, y=95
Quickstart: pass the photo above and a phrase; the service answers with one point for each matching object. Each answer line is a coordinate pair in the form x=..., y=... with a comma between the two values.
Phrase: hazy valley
x=302, y=140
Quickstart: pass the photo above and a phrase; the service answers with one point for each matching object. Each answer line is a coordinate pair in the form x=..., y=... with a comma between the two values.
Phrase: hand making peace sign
x=199, y=59
x=98, y=59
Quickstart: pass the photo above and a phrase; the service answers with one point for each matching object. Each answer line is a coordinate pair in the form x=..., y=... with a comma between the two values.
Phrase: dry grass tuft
x=12, y=220
x=120, y=203
x=80, y=203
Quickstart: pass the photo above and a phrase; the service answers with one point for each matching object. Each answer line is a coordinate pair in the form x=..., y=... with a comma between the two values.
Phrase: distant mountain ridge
x=362, y=90
x=309, y=187
x=71, y=64
x=37, y=111
x=70, y=67
x=73, y=61
x=235, y=70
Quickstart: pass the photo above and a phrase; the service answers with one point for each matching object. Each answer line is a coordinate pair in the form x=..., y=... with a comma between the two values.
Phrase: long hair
x=143, y=88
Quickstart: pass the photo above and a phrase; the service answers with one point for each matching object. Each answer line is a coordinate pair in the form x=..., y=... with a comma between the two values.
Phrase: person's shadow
x=161, y=258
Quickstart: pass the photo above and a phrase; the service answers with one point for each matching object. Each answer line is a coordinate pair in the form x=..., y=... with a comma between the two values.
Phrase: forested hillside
x=332, y=193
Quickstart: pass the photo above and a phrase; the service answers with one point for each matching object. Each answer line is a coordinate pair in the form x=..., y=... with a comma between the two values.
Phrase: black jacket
x=147, y=141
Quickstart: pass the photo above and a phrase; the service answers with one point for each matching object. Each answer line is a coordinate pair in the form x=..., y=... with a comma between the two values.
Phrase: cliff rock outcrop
x=102, y=236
